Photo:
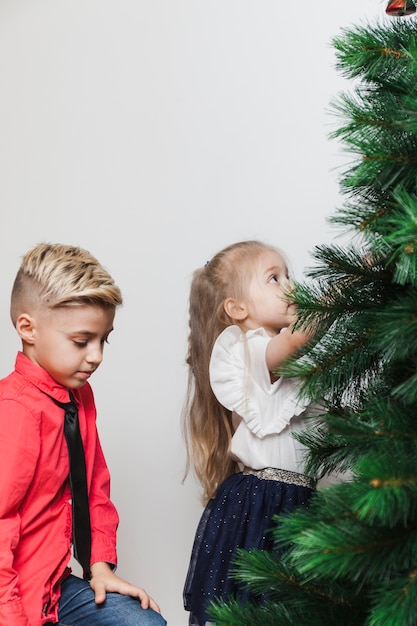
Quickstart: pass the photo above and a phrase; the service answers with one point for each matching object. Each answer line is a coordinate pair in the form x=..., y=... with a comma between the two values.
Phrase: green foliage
x=351, y=557
x=285, y=597
x=395, y=602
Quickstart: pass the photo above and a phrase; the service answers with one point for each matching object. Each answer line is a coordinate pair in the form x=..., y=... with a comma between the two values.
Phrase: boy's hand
x=104, y=580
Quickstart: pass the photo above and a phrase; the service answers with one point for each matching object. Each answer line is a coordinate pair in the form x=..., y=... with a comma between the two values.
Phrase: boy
x=63, y=305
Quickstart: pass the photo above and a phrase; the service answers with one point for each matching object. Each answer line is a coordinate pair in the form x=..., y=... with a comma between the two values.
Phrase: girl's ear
x=235, y=310
x=25, y=328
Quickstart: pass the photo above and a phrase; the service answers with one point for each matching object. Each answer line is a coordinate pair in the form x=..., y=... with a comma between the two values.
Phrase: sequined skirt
x=240, y=516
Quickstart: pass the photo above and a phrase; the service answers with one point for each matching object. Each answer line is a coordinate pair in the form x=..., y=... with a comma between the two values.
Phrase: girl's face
x=267, y=303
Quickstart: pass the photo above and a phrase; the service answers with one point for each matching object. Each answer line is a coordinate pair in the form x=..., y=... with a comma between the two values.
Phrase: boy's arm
x=104, y=522
x=104, y=517
x=18, y=455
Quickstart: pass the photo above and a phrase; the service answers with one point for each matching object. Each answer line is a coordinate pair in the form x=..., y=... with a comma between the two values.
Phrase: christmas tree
x=351, y=557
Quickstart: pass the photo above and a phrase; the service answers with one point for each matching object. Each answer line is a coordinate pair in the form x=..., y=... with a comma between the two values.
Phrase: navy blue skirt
x=240, y=516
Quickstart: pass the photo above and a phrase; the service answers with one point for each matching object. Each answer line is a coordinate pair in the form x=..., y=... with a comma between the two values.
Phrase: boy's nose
x=95, y=355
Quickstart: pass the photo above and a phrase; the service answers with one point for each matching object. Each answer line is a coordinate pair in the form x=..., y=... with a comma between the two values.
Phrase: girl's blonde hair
x=207, y=424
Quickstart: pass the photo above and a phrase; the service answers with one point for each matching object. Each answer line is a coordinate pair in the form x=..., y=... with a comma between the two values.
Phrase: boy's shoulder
x=12, y=386
x=19, y=402
x=30, y=385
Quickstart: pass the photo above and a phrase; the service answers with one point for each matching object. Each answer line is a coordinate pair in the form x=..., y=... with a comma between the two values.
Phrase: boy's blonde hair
x=54, y=275
x=207, y=424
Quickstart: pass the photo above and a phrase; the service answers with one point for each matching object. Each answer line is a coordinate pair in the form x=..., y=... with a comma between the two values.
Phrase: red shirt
x=35, y=497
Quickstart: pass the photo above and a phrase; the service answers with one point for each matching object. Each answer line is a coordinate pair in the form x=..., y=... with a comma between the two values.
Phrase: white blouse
x=267, y=413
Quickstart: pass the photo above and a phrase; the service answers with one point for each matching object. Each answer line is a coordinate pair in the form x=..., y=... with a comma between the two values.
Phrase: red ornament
x=400, y=7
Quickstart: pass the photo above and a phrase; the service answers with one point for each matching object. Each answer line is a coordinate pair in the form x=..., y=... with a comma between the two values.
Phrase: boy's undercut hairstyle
x=55, y=275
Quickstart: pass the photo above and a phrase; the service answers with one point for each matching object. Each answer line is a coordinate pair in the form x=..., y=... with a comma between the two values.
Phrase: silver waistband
x=283, y=476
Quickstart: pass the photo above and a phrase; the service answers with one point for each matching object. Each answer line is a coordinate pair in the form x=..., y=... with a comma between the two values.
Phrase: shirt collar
x=40, y=378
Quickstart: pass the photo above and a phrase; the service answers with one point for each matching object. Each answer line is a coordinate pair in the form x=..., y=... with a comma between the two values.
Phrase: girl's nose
x=289, y=285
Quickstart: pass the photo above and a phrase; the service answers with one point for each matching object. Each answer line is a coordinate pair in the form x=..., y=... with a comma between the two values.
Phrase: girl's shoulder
x=229, y=336
x=233, y=335
x=233, y=347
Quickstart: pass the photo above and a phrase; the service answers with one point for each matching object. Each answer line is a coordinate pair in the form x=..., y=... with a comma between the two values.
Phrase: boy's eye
x=80, y=344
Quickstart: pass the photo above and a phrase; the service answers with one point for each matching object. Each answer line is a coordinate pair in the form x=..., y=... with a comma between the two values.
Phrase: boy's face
x=67, y=341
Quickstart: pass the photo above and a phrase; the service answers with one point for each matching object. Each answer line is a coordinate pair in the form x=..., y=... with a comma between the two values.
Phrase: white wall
x=153, y=133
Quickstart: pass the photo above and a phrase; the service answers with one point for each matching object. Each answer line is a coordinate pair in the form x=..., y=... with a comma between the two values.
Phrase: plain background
x=153, y=133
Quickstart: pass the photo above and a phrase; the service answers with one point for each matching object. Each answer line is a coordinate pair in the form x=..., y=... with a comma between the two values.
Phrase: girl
x=239, y=415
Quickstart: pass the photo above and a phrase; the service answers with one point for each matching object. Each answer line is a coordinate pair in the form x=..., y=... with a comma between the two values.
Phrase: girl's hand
x=103, y=580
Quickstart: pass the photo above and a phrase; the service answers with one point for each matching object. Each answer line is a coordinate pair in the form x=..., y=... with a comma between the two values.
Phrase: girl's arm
x=284, y=345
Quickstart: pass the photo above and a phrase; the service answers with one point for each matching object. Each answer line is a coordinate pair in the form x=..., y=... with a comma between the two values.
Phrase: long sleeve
x=103, y=515
x=241, y=382
x=270, y=412
x=19, y=445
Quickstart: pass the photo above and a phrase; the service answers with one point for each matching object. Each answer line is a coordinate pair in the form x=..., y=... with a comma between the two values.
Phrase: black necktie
x=81, y=528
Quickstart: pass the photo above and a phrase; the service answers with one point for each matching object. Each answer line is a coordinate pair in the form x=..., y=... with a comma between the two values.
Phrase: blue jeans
x=78, y=608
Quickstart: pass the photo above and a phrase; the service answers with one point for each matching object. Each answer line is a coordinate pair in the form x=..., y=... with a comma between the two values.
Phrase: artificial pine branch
x=351, y=557
x=284, y=594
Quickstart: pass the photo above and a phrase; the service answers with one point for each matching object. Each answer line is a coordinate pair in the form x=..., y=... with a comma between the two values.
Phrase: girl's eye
x=80, y=344
x=274, y=279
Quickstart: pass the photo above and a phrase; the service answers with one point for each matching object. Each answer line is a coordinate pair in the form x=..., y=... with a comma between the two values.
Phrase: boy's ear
x=235, y=310
x=25, y=326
